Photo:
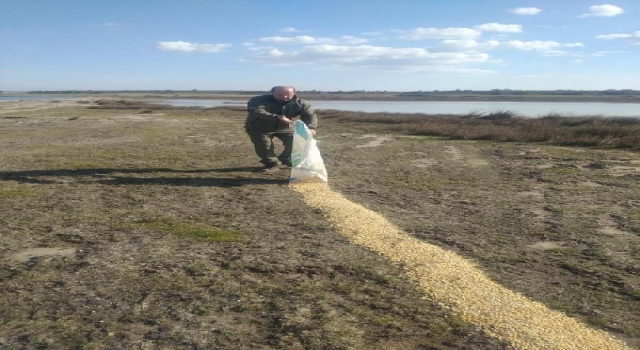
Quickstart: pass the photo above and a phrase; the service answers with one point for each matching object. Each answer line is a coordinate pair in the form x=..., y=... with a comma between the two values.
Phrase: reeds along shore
x=590, y=131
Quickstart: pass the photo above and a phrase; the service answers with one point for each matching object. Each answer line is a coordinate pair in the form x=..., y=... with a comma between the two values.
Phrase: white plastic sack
x=306, y=161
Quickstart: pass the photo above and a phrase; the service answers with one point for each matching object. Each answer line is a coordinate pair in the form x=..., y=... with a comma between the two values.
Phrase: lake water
x=528, y=109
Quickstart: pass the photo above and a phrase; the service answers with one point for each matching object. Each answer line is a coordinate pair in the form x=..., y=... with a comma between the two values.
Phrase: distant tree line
x=494, y=92
x=510, y=92
x=142, y=91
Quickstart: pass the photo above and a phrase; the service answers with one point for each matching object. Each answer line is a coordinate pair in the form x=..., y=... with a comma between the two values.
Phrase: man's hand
x=284, y=119
x=313, y=132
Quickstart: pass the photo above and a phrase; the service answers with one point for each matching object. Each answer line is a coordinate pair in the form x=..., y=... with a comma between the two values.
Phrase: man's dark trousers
x=263, y=143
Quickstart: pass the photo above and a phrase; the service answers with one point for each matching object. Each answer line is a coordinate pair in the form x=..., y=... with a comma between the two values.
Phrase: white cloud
x=453, y=70
x=458, y=45
x=614, y=36
x=378, y=57
x=302, y=39
x=528, y=11
x=539, y=45
x=253, y=47
x=309, y=40
x=602, y=53
x=465, y=45
x=438, y=33
x=578, y=60
x=289, y=30
x=532, y=45
x=605, y=10
x=454, y=49
x=275, y=53
x=555, y=53
x=351, y=53
x=352, y=40
x=632, y=38
x=497, y=27
x=190, y=47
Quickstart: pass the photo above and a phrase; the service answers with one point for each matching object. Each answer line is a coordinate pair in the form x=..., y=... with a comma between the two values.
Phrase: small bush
x=499, y=115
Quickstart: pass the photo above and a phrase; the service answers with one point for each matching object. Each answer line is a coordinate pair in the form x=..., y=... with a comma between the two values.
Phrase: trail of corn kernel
x=455, y=282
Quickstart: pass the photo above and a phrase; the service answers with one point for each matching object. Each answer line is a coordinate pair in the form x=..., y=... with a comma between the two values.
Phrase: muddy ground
x=139, y=229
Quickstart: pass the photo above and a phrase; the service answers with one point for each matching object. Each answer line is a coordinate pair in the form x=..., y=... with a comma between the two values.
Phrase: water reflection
x=527, y=109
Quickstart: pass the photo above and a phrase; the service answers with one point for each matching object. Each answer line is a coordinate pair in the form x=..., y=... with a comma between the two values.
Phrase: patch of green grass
x=557, y=251
x=560, y=305
x=413, y=138
x=562, y=170
x=79, y=164
x=597, y=321
x=190, y=229
x=15, y=193
x=553, y=208
x=200, y=309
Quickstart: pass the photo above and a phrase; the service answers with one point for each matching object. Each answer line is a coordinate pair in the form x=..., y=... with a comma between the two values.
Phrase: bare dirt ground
x=128, y=230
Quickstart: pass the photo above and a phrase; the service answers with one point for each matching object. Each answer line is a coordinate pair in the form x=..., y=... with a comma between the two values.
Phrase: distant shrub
x=473, y=115
x=499, y=115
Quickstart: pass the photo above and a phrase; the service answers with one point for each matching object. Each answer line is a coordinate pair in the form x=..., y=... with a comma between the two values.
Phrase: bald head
x=283, y=92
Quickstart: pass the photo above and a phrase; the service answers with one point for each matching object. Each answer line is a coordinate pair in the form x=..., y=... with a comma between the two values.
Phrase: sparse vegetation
x=189, y=229
x=145, y=107
x=131, y=193
x=506, y=126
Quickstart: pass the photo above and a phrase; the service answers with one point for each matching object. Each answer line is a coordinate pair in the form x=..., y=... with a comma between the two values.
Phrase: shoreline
x=386, y=97
x=12, y=106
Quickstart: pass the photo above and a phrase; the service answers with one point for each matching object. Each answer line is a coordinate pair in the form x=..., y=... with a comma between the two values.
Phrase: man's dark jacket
x=263, y=114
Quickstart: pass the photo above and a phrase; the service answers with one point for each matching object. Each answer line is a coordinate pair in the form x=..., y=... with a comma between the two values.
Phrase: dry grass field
x=133, y=226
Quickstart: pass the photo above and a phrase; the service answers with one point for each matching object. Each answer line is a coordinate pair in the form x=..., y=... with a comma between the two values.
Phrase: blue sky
x=319, y=44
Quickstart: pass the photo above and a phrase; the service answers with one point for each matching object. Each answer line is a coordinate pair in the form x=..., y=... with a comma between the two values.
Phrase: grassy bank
x=133, y=226
x=587, y=131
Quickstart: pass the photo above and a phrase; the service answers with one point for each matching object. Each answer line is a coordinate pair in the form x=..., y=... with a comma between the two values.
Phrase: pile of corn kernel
x=456, y=283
